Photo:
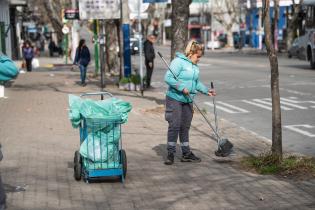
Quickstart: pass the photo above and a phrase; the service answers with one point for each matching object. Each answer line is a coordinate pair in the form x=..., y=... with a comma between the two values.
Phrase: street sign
x=99, y=9
x=71, y=14
x=134, y=6
x=65, y=29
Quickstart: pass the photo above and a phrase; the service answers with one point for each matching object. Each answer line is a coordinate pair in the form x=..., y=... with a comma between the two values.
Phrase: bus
x=307, y=40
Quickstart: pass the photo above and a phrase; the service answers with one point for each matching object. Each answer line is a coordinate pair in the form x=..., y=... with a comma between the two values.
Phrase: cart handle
x=97, y=94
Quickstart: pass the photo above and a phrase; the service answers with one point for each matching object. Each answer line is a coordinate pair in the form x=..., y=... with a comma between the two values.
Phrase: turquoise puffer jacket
x=188, y=77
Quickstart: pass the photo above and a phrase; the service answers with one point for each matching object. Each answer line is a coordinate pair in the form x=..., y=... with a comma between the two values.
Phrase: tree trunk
x=229, y=32
x=180, y=15
x=274, y=82
x=111, y=45
x=55, y=17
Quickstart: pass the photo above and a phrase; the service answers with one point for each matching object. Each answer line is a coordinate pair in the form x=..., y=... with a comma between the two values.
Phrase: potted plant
x=124, y=83
x=136, y=80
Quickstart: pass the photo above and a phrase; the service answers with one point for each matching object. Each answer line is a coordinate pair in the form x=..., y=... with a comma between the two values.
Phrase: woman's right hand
x=186, y=91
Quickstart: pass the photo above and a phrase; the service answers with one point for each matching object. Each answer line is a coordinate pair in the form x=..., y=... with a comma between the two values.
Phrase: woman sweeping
x=179, y=106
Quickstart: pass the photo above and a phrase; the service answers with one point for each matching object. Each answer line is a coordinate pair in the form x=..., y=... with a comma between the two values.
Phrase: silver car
x=295, y=50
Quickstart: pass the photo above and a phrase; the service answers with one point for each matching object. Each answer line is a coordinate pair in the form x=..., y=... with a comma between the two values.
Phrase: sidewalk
x=39, y=143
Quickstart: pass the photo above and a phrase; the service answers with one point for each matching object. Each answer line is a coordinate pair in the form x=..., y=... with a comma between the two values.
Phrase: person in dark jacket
x=82, y=58
x=28, y=55
x=149, y=56
x=179, y=96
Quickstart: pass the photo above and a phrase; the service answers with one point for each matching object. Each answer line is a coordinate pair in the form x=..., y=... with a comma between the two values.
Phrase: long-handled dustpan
x=224, y=145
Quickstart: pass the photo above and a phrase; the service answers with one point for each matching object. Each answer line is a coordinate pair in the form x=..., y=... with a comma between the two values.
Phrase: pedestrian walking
x=82, y=58
x=179, y=106
x=28, y=55
x=149, y=56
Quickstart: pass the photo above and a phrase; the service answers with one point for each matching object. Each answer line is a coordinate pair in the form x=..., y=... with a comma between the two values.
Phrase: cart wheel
x=77, y=166
x=123, y=161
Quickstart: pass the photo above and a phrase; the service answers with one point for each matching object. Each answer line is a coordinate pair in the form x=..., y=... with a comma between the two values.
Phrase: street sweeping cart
x=101, y=153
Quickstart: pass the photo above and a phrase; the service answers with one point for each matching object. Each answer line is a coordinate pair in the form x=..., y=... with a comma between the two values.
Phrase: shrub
x=135, y=79
x=124, y=80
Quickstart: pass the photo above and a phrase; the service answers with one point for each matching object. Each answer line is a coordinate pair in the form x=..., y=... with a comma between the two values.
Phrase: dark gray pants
x=179, y=116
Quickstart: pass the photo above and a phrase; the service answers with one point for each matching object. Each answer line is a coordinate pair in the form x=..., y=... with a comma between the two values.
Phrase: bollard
x=1, y=91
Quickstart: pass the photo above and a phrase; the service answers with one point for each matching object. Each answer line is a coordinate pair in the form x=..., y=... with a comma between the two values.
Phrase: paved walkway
x=39, y=143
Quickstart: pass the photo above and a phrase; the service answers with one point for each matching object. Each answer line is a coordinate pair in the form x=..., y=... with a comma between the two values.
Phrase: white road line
x=256, y=134
x=300, y=131
x=293, y=105
x=221, y=108
x=233, y=107
x=289, y=100
x=269, y=103
x=289, y=104
x=296, y=92
x=297, y=102
x=256, y=104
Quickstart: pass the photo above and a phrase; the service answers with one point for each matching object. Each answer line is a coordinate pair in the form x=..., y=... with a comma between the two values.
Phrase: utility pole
x=74, y=31
x=126, y=38
x=211, y=23
x=96, y=43
x=102, y=54
x=140, y=44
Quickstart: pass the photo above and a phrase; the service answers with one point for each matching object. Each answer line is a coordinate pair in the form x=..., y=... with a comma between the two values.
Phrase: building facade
x=254, y=29
x=5, y=32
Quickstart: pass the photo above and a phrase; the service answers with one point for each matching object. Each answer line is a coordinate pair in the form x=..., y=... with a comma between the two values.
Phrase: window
x=310, y=17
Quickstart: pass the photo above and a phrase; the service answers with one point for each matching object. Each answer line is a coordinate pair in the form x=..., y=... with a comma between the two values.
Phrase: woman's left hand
x=212, y=92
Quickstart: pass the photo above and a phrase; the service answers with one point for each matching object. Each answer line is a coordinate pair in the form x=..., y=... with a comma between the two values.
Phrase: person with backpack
x=28, y=55
x=183, y=86
x=82, y=58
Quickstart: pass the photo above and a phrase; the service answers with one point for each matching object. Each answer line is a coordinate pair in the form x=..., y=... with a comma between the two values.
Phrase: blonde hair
x=192, y=48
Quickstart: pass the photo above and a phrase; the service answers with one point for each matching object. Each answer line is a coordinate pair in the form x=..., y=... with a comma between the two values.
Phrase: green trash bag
x=102, y=146
x=111, y=109
x=8, y=70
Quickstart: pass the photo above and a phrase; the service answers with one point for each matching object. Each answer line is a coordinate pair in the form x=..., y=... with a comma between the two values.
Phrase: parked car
x=215, y=44
x=134, y=46
x=294, y=50
x=222, y=38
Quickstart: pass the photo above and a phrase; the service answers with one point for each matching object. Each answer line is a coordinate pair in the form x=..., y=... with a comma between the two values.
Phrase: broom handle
x=214, y=110
x=206, y=119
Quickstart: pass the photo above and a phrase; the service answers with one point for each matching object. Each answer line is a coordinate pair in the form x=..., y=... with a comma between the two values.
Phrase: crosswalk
x=287, y=104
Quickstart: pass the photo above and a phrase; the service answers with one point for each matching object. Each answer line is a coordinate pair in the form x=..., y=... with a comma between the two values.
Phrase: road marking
x=233, y=107
x=204, y=64
x=289, y=100
x=298, y=102
x=269, y=103
x=300, y=131
x=257, y=104
x=295, y=92
x=287, y=104
x=283, y=101
x=256, y=134
x=221, y=108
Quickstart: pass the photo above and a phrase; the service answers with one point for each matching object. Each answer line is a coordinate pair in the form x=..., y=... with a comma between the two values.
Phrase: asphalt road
x=242, y=82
